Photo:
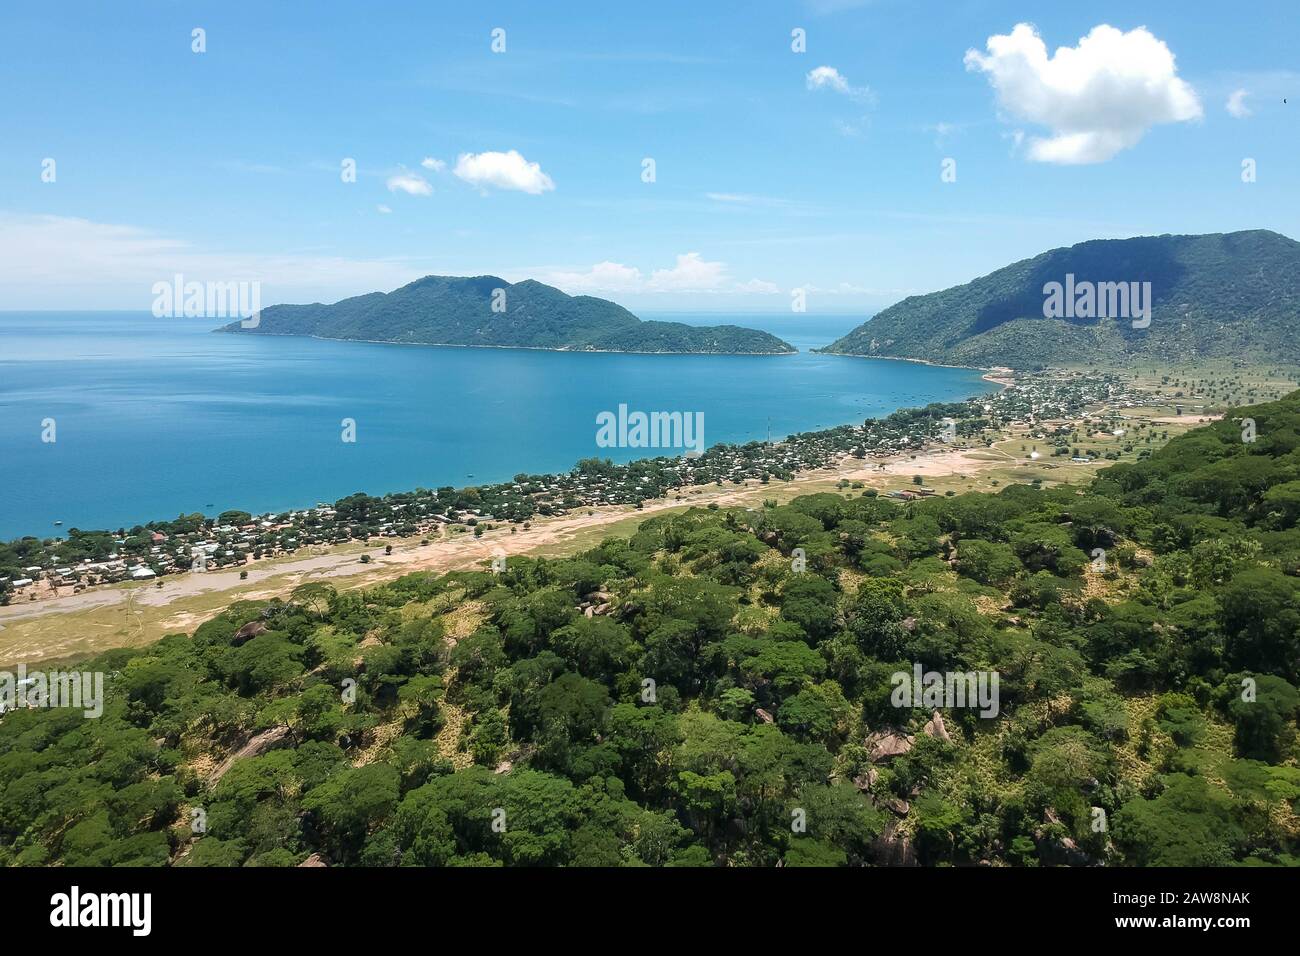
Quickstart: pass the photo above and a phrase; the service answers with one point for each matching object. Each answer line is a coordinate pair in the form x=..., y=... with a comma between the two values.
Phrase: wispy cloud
x=240, y=166
x=412, y=184
x=753, y=201
x=822, y=7
x=829, y=78
x=52, y=262
x=691, y=272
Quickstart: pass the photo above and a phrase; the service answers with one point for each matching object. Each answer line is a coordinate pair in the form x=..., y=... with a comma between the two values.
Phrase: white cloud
x=690, y=272
x=1236, y=104
x=855, y=289
x=59, y=262
x=437, y=165
x=1098, y=98
x=760, y=286
x=410, y=183
x=504, y=171
x=602, y=277
x=829, y=78
x=944, y=131
x=383, y=209
x=748, y=199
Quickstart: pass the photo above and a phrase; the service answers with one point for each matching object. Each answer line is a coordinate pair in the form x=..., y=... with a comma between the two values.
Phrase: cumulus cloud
x=829, y=78
x=602, y=277
x=437, y=165
x=1097, y=98
x=504, y=171
x=1236, y=105
x=381, y=208
x=410, y=183
x=690, y=272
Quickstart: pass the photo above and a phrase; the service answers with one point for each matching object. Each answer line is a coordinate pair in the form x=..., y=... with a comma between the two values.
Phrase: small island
x=489, y=312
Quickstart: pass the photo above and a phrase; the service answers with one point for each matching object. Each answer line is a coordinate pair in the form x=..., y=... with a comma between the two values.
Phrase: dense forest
x=488, y=311
x=1224, y=295
x=718, y=690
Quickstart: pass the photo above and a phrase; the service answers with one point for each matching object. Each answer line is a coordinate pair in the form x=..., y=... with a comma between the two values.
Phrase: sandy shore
x=344, y=565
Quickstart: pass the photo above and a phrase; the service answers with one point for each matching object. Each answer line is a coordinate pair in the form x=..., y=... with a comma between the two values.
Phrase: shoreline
x=522, y=348
x=341, y=564
x=68, y=627
x=61, y=534
x=102, y=594
x=918, y=361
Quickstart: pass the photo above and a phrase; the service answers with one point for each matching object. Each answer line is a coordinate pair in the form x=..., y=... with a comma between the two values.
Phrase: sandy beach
x=344, y=567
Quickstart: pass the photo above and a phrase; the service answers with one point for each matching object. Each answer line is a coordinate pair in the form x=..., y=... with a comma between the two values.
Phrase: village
x=1046, y=407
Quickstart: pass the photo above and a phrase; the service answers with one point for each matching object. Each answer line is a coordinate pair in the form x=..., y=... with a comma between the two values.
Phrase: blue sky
x=774, y=170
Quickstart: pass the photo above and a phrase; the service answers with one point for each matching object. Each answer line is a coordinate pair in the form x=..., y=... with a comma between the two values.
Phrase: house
x=142, y=574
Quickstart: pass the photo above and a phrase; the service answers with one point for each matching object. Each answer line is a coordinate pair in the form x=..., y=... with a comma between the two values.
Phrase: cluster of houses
x=200, y=544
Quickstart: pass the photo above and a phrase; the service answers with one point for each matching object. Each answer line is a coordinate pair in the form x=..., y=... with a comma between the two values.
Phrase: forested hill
x=1233, y=295
x=447, y=310
x=680, y=697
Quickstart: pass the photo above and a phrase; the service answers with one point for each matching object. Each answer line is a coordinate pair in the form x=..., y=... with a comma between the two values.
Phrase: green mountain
x=1225, y=295
x=448, y=310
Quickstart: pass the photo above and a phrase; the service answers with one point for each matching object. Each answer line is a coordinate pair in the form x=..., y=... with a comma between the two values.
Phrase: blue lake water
x=157, y=417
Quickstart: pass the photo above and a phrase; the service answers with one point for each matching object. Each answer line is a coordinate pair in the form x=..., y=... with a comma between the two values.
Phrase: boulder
x=865, y=781
x=887, y=744
x=934, y=727
x=898, y=806
x=892, y=848
x=249, y=631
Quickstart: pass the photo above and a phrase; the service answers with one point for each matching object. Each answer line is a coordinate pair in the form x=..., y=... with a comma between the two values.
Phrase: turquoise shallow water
x=156, y=417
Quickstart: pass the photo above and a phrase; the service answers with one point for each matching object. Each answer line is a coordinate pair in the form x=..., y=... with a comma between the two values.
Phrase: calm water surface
x=156, y=417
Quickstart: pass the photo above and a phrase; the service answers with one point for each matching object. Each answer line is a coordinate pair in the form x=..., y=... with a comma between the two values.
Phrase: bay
x=158, y=417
